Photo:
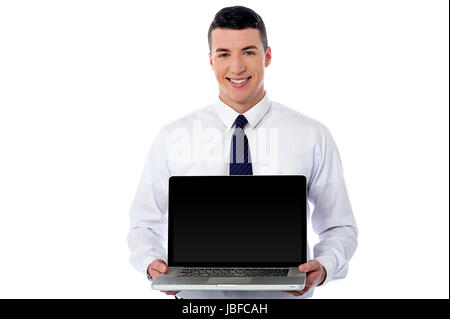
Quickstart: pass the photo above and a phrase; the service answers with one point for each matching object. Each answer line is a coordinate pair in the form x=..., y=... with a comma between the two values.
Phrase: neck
x=241, y=108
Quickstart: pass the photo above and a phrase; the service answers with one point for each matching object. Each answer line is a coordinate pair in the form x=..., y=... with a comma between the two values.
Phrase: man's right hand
x=156, y=268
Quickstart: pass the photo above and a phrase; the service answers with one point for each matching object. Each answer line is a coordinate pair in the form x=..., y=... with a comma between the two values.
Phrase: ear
x=268, y=57
x=211, y=61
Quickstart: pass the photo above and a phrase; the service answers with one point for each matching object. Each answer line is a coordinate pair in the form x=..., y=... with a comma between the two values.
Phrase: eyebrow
x=243, y=49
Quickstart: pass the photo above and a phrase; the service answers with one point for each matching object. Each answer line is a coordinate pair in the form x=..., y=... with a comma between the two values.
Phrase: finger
x=289, y=292
x=171, y=293
x=311, y=265
x=292, y=292
x=304, y=291
x=159, y=265
x=312, y=278
x=154, y=274
x=163, y=268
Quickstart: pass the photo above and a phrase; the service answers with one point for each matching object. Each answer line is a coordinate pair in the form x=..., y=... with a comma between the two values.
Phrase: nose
x=237, y=65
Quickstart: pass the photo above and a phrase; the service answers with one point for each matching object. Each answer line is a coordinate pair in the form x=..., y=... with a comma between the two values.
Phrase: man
x=239, y=53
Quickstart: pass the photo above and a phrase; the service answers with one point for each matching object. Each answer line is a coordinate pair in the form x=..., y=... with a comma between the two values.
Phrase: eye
x=222, y=55
x=250, y=53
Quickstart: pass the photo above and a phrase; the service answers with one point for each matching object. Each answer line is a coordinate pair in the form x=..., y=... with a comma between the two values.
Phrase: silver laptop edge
x=295, y=280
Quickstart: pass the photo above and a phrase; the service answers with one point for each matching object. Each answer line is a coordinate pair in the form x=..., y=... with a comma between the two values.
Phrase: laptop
x=235, y=233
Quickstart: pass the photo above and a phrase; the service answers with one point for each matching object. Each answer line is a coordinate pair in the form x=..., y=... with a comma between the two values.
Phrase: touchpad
x=229, y=280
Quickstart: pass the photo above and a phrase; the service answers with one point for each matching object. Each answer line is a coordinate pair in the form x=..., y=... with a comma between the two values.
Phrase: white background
x=85, y=85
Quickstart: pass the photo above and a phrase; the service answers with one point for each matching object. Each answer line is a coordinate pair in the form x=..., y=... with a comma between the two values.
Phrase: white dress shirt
x=282, y=141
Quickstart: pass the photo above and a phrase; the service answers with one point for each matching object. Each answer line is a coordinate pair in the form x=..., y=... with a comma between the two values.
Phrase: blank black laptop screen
x=237, y=221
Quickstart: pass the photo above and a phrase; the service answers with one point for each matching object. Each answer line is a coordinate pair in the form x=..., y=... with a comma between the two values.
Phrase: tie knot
x=241, y=121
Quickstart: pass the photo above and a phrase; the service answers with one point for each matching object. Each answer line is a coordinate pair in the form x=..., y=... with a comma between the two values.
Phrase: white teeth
x=239, y=81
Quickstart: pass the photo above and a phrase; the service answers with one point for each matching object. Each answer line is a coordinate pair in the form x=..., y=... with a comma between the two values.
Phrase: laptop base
x=295, y=280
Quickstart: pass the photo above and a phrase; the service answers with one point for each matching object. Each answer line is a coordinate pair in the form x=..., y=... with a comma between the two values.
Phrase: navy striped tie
x=240, y=159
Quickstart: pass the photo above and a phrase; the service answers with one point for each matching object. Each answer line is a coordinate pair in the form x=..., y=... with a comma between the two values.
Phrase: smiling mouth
x=238, y=82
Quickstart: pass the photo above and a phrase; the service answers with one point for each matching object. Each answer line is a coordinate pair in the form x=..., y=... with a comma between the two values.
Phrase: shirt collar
x=254, y=115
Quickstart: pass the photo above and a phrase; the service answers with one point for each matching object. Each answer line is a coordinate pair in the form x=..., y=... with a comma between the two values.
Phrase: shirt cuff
x=327, y=263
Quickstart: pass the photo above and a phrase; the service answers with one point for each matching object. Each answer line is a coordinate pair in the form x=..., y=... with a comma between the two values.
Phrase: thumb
x=159, y=265
x=308, y=267
x=162, y=267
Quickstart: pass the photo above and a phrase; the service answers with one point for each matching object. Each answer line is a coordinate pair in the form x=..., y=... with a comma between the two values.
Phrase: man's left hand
x=315, y=276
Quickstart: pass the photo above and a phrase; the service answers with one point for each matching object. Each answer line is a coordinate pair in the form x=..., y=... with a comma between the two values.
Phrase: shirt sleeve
x=332, y=218
x=147, y=236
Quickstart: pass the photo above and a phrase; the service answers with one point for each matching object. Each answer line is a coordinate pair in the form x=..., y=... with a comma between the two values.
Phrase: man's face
x=238, y=56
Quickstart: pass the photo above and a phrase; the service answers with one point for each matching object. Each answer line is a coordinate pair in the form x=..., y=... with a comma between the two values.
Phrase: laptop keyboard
x=233, y=272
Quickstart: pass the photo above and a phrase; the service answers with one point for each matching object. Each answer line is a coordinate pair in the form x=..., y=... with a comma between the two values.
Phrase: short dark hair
x=238, y=18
